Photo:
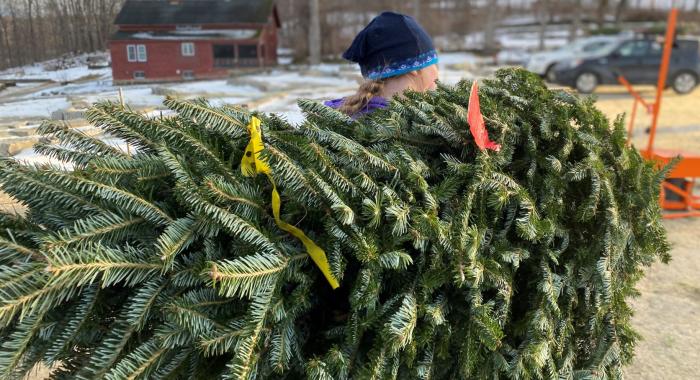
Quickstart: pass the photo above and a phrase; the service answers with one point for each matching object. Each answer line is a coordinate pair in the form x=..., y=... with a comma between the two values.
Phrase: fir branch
x=233, y=223
x=29, y=185
x=176, y=238
x=121, y=123
x=36, y=297
x=107, y=227
x=14, y=349
x=143, y=302
x=78, y=140
x=68, y=155
x=214, y=119
x=217, y=342
x=139, y=363
x=78, y=318
x=244, y=362
x=399, y=329
x=248, y=275
x=83, y=265
x=119, y=197
x=13, y=248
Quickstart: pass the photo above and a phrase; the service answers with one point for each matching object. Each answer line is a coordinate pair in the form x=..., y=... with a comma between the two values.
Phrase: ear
x=414, y=73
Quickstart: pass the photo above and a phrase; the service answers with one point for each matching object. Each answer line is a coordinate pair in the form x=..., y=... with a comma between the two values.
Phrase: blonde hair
x=367, y=90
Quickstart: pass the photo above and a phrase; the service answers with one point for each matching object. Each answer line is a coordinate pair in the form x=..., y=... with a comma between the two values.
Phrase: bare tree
x=490, y=27
x=416, y=9
x=602, y=10
x=619, y=11
x=32, y=35
x=32, y=30
x=314, y=33
x=4, y=32
x=575, y=25
x=542, y=10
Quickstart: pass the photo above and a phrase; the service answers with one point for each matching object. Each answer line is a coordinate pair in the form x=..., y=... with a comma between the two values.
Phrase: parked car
x=543, y=63
x=638, y=60
x=97, y=62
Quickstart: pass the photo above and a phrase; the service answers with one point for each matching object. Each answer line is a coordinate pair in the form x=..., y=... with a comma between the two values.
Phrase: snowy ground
x=36, y=101
x=276, y=90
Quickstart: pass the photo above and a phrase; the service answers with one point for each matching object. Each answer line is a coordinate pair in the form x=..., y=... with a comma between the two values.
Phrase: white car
x=542, y=63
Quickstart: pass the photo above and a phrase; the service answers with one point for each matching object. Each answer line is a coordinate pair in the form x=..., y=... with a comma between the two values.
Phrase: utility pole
x=314, y=33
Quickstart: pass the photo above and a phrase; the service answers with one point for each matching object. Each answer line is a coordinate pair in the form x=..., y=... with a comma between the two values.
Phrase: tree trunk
x=575, y=25
x=16, y=41
x=416, y=9
x=314, y=33
x=542, y=12
x=602, y=9
x=619, y=12
x=32, y=36
x=697, y=6
x=490, y=28
x=6, y=49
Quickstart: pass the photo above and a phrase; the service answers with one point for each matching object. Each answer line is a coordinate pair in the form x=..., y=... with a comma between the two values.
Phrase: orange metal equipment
x=637, y=99
x=688, y=170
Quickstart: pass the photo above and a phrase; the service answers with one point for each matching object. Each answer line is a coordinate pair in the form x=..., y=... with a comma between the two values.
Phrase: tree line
x=330, y=31
x=36, y=30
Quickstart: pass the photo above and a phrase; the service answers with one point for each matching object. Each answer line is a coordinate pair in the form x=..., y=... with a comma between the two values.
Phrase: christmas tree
x=175, y=261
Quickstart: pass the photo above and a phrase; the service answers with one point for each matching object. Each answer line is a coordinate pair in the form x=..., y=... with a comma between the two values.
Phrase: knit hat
x=392, y=44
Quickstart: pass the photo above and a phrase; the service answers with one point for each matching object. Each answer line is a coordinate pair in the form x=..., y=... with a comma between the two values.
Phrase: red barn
x=171, y=40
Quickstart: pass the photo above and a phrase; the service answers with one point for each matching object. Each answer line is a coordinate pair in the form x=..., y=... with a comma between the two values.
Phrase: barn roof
x=195, y=12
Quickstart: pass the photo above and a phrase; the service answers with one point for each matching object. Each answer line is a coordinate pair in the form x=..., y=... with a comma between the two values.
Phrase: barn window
x=139, y=75
x=187, y=49
x=248, y=55
x=131, y=53
x=247, y=51
x=187, y=74
x=224, y=56
x=141, y=53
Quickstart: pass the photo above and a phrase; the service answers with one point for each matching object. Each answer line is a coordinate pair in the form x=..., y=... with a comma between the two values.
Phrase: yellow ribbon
x=251, y=165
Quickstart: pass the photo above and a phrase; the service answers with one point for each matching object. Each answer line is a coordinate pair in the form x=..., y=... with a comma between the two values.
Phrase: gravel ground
x=668, y=310
x=679, y=120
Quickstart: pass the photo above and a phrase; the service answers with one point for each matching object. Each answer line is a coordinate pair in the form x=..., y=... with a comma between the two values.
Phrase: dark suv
x=638, y=60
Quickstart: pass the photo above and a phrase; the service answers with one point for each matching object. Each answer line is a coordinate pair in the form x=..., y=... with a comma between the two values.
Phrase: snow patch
x=59, y=70
x=33, y=108
x=238, y=34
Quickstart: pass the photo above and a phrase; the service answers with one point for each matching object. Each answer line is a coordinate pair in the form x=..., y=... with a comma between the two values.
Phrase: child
x=395, y=54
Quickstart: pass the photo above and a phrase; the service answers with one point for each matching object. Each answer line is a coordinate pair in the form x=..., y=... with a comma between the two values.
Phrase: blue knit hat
x=392, y=44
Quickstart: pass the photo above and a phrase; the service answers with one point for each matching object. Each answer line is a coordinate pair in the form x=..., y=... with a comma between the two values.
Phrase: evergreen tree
x=453, y=263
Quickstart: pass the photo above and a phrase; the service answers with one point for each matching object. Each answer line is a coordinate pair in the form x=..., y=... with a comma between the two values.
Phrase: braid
x=354, y=103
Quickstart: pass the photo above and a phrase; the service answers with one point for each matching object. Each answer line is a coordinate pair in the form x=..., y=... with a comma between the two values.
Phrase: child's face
x=425, y=78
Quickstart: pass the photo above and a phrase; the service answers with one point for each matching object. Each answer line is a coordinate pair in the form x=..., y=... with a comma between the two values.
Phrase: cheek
x=431, y=85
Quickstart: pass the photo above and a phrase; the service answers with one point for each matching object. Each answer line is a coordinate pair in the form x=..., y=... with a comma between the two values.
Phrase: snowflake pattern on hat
x=402, y=67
